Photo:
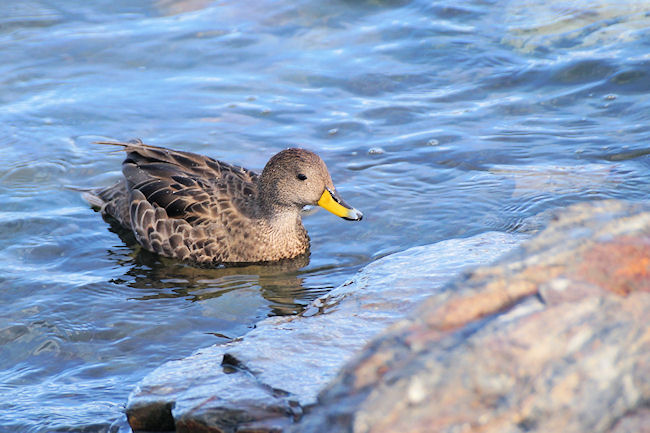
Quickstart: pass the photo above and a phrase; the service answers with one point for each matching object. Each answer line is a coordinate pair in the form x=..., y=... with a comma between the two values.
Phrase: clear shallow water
x=437, y=121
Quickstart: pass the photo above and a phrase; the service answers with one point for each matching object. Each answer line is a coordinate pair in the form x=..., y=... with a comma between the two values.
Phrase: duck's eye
x=301, y=176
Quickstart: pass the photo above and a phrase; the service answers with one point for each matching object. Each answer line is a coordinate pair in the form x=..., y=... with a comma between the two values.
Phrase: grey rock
x=554, y=338
x=264, y=380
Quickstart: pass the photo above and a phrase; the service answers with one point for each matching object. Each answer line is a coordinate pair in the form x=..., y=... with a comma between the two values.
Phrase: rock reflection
x=279, y=283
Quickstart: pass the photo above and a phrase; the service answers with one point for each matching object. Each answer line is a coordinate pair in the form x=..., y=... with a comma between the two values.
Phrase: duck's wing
x=187, y=185
x=180, y=203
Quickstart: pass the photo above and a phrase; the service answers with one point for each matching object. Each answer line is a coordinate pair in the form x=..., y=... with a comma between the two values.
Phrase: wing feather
x=188, y=186
x=180, y=204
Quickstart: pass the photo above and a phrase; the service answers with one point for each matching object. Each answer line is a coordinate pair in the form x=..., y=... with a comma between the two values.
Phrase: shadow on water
x=279, y=283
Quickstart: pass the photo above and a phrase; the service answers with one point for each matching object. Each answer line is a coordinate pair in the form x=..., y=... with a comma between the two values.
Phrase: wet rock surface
x=264, y=380
x=554, y=338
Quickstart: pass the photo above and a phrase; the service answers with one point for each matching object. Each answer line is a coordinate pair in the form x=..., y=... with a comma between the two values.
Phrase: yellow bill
x=333, y=203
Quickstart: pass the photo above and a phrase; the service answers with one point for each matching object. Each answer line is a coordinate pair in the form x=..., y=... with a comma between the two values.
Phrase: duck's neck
x=271, y=207
x=286, y=234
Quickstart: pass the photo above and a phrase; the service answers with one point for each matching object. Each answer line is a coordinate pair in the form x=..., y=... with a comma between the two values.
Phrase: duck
x=195, y=208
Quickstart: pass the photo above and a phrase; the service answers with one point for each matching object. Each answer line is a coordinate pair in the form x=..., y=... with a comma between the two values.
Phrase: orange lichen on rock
x=621, y=265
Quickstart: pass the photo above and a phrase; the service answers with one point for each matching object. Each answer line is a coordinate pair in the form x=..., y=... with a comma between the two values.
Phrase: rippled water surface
x=437, y=119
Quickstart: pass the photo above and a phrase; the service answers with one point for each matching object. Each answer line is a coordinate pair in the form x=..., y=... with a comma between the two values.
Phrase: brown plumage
x=192, y=207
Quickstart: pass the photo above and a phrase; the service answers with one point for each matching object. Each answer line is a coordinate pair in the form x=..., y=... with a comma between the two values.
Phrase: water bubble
x=333, y=131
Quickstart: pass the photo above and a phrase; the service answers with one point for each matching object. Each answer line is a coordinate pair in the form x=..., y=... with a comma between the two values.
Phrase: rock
x=534, y=25
x=263, y=381
x=553, y=338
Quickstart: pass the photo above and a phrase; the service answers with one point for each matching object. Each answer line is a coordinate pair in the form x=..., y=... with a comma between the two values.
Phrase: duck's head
x=295, y=178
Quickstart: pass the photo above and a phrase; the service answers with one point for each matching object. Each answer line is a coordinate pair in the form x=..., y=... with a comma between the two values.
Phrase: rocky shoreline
x=553, y=337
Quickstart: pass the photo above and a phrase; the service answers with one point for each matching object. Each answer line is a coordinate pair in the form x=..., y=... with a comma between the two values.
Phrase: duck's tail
x=91, y=195
x=93, y=199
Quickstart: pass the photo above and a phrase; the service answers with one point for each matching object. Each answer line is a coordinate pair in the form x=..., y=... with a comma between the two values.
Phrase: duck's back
x=184, y=205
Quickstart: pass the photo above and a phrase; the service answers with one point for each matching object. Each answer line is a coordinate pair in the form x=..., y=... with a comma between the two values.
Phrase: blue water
x=437, y=120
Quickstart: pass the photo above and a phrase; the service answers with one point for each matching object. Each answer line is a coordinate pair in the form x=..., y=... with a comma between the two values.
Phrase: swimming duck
x=192, y=207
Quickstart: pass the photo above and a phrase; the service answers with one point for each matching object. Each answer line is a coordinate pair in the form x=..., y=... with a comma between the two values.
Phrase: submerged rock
x=264, y=380
x=555, y=338
x=532, y=25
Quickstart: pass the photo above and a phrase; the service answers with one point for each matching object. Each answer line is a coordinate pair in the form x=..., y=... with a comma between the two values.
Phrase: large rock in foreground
x=554, y=339
x=263, y=381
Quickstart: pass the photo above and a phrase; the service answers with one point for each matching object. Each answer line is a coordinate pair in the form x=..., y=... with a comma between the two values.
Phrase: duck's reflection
x=279, y=283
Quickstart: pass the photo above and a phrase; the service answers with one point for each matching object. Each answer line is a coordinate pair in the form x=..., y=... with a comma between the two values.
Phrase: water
x=436, y=120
